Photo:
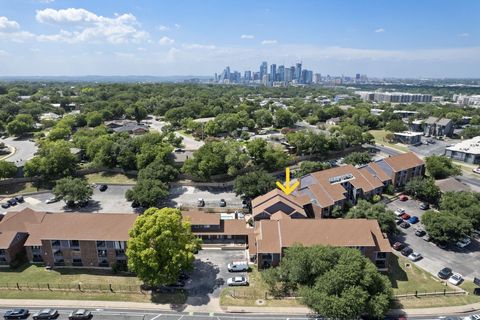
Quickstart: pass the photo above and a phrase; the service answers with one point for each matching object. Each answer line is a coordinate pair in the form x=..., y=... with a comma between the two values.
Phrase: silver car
x=237, y=281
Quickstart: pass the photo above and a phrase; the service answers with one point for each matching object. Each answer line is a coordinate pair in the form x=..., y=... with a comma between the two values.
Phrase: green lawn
x=379, y=136
x=108, y=177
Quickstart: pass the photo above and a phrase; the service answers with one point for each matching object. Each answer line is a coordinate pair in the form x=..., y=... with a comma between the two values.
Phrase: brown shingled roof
x=6, y=239
x=404, y=161
x=379, y=172
x=274, y=235
x=196, y=217
x=263, y=203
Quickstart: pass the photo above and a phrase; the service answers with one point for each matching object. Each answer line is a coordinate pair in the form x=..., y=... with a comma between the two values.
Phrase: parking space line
x=156, y=317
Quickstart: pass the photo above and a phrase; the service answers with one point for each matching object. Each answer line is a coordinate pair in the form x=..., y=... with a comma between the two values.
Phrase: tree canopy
x=445, y=226
x=72, y=190
x=378, y=211
x=7, y=169
x=253, y=184
x=423, y=189
x=441, y=167
x=356, y=158
x=161, y=245
x=53, y=160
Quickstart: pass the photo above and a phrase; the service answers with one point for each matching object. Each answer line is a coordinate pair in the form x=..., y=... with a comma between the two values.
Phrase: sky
x=420, y=38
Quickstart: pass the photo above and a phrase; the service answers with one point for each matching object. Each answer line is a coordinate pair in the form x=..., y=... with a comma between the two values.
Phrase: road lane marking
x=156, y=317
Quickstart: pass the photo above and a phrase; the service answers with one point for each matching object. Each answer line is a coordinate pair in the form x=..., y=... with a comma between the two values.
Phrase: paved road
x=188, y=142
x=465, y=261
x=188, y=196
x=24, y=150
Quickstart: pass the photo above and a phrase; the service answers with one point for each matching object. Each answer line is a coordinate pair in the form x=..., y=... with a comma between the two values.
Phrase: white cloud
x=247, y=36
x=177, y=26
x=6, y=24
x=88, y=26
x=464, y=35
x=379, y=30
x=166, y=41
x=269, y=41
x=199, y=46
x=163, y=28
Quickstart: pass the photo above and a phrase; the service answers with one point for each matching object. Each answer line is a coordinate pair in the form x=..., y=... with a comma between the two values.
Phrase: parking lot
x=437, y=148
x=188, y=196
x=464, y=261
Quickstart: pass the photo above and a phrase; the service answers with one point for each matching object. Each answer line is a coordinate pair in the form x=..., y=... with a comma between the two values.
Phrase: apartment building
x=466, y=151
x=438, y=127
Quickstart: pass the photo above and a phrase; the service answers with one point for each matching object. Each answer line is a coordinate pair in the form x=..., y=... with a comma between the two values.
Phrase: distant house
x=333, y=121
x=408, y=137
x=49, y=116
x=437, y=127
x=129, y=126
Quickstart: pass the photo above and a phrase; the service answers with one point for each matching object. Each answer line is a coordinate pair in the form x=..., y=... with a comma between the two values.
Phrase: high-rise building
x=263, y=69
x=281, y=73
x=317, y=78
x=303, y=78
x=273, y=72
x=298, y=72
x=357, y=77
x=309, y=77
x=248, y=76
x=256, y=76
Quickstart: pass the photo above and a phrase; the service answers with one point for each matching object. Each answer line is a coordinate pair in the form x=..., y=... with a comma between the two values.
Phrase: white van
x=236, y=266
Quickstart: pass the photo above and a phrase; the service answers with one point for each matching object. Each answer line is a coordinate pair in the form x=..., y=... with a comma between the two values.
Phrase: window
x=2, y=252
x=77, y=262
x=120, y=253
x=55, y=243
x=119, y=244
x=74, y=244
x=381, y=255
x=102, y=253
x=101, y=244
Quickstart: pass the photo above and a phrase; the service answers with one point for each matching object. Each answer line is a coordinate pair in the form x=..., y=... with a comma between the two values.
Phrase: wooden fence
x=79, y=287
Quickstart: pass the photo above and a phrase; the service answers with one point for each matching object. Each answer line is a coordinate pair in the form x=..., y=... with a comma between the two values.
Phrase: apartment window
x=381, y=255
x=55, y=243
x=58, y=253
x=119, y=244
x=101, y=244
x=120, y=252
x=74, y=244
x=37, y=258
x=77, y=262
x=2, y=252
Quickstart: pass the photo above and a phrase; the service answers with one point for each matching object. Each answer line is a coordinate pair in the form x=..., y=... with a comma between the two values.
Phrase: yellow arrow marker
x=287, y=188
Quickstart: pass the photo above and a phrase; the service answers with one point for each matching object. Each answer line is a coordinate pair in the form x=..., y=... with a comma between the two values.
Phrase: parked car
x=16, y=314
x=405, y=216
x=5, y=205
x=52, y=200
x=200, y=202
x=415, y=256
x=399, y=212
x=463, y=242
x=404, y=225
x=445, y=273
x=45, y=314
x=407, y=251
x=413, y=220
x=442, y=245
x=472, y=317
x=237, y=281
x=403, y=197
x=222, y=203
x=19, y=198
x=427, y=237
x=103, y=188
x=424, y=206
x=398, y=220
x=80, y=314
x=455, y=279
x=235, y=266
x=12, y=202
x=398, y=246
x=476, y=170
x=420, y=232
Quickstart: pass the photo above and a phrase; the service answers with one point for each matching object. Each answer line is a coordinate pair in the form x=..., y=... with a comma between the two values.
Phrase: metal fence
x=80, y=287
x=417, y=294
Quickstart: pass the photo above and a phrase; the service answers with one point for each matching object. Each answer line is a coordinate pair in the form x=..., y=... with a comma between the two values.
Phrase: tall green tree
x=463, y=203
x=23, y=123
x=307, y=167
x=148, y=192
x=253, y=184
x=161, y=245
x=424, y=189
x=378, y=211
x=356, y=158
x=441, y=167
x=53, y=160
x=445, y=226
x=396, y=126
x=7, y=169
x=73, y=190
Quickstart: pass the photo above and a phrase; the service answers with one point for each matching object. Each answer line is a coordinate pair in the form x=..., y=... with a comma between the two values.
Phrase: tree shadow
x=395, y=272
x=93, y=205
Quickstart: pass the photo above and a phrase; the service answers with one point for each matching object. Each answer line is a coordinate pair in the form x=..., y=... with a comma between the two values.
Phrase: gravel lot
x=465, y=261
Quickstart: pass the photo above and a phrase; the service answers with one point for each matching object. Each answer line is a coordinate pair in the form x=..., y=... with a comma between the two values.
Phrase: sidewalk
x=213, y=307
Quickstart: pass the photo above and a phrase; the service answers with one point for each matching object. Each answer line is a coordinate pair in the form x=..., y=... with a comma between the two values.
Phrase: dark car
x=46, y=314
x=80, y=314
x=404, y=225
x=445, y=273
x=12, y=202
x=424, y=206
x=223, y=203
x=19, y=199
x=420, y=232
x=5, y=205
x=398, y=246
x=398, y=220
x=135, y=204
x=406, y=251
x=103, y=188
x=16, y=314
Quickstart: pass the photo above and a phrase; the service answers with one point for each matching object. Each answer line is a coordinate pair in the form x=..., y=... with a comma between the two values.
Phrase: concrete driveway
x=464, y=261
x=24, y=150
x=188, y=196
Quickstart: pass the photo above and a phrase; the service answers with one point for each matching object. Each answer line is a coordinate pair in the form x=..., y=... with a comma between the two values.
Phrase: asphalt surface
x=437, y=148
x=188, y=196
x=464, y=261
x=24, y=150
x=188, y=142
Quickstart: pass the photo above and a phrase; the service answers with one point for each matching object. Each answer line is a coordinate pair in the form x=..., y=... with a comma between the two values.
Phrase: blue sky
x=421, y=38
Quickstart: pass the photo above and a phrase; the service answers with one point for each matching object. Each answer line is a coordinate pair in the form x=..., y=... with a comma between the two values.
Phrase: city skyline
x=74, y=38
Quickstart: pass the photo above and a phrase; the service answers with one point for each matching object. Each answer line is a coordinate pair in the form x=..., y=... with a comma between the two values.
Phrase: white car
x=476, y=170
x=237, y=281
x=472, y=317
x=415, y=256
x=399, y=212
x=464, y=242
x=52, y=200
x=455, y=279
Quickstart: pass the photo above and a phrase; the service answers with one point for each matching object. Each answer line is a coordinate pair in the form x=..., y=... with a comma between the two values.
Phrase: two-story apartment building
x=438, y=127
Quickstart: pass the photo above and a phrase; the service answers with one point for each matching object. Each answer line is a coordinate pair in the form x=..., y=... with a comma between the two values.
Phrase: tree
x=441, y=167
x=253, y=184
x=338, y=283
x=285, y=118
x=463, y=203
x=263, y=118
x=94, y=118
x=445, y=226
x=377, y=211
x=158, y=170
x=72, y=190
x=23, y=123
x=59, y=133
x=307, y=167
x=356, y=158
x=161, y=245
x=256, y=150
x=275, y=158
x=7, y=169
x=148, y=192
x=396, y=126
x=423, y=189
x=53, y=160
